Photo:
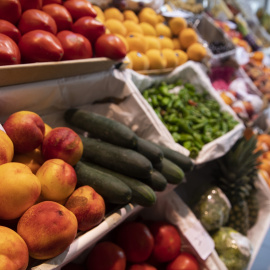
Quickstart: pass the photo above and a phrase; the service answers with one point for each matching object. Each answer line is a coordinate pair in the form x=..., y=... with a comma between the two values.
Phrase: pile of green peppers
x=193, y=118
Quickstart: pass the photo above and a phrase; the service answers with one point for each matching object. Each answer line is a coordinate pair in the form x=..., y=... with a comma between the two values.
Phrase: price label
x=200, y=240
x=1, y=128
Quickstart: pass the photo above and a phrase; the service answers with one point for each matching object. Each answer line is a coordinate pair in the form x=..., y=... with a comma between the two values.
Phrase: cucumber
x=184, y=162
x=142, y=194
x=116, y=158
x=173, y=173
x=157, y=181
x=109, y=187
x=149, y=150
x=102, y=127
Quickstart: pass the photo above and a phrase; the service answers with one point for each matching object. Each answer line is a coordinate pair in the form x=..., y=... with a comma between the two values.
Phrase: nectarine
x=13, y=250
x=48, y=228
x=20, y=189
x=26, y=130
x=58, y=179
x=88, y=207
x=6, y=148
x=62, y=143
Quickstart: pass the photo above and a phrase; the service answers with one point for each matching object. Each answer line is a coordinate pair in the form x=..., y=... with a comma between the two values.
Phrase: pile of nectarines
x=41, y=207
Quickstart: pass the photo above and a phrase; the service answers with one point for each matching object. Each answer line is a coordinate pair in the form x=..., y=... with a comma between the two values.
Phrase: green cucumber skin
x=109, y=187
x=184, y=162
x=157, y=181
x=173, y=173
x=149, y=150
x=116, y=158
x=142, y=194
x=102, y=127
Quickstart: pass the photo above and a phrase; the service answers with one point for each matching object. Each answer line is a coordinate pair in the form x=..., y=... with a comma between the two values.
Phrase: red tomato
x=142, y=266
x=75, y=46
x=89, y=27
x=184, y=261
x=10, y=30
x=61, y=16
x=10, y=10
x=167, y=241
x=47, y=2
x=26, y=4
x=9, y=51
x=136, y=241
x=80, y=8
x=34, y=19
x=111, y=46
x=40, y=46
x=106, y=256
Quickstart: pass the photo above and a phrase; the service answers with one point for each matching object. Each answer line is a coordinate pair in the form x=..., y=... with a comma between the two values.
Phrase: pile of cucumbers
x=122, y=167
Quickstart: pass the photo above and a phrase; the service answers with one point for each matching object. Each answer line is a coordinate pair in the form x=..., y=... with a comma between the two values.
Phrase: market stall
x=132, y=113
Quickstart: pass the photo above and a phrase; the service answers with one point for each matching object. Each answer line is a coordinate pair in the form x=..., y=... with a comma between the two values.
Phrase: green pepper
x=194, y=152
x=155, y=101
x=185, y=137
x=176, y=136
x=165, y=101
x=199, y=125
x=183, y=125
x=187, y=144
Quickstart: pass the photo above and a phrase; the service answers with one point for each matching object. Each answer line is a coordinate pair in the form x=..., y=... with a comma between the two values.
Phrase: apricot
x=136, y=42
x=48, y=228
x=130, y=15
x=148, y=15
x=156, y=59
x=139, y=60
x=171, y=58
x=62, y=143
x=26, y=130
x=58, y=179
x=187, y=37
x=20, y=189
x=196, y=52
x=13, y=250
x=6, y=148
x=88, y=207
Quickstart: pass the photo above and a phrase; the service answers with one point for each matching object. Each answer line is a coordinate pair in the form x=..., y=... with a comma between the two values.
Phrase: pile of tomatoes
x=140, y=245
x=53, y=30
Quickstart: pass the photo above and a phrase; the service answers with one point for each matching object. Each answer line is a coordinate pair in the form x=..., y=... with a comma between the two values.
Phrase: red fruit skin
x=136, y=241
x=61, y=16
x=111, y=46
x=47, y=2
x=40, y=46
x=9, y=51
x=142, y=266
x=10, y=30
x=89, y=27
x=106, y=256
x=184, y=261
x=10, y=10
x=80, y=8
x=75, y=46
x=26, y=4
x=167, y=241
x=34, y=19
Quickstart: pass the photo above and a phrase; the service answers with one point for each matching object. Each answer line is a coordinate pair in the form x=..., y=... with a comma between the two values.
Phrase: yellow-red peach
x=62, y=143
x=20, y=189
x=6, y=148
x=25, y=129
x=48, y=228
x=88, y=207
x=58, y=179
x=13, y=250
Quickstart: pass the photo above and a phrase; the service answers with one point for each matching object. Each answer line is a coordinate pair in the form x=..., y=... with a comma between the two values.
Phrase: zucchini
x=149, y=150
x=184, y=162
x=102, y=127
x=173, y=173
x=109, y=187
x=157, y=181
x=116, y=158
x=142, y=194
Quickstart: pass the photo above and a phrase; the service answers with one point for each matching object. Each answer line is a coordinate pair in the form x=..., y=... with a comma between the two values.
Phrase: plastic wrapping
x=213, y=209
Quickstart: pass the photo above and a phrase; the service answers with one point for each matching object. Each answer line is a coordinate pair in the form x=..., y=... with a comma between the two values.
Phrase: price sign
x=200, y=240
x=1, y=128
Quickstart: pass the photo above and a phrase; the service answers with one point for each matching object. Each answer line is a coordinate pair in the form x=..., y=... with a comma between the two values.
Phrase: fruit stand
x=131, y=133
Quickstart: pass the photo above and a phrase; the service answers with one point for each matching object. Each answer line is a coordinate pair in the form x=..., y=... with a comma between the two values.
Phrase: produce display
x=162, y=249
x=65, y=168
x=54, y=31
x=193, y=118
